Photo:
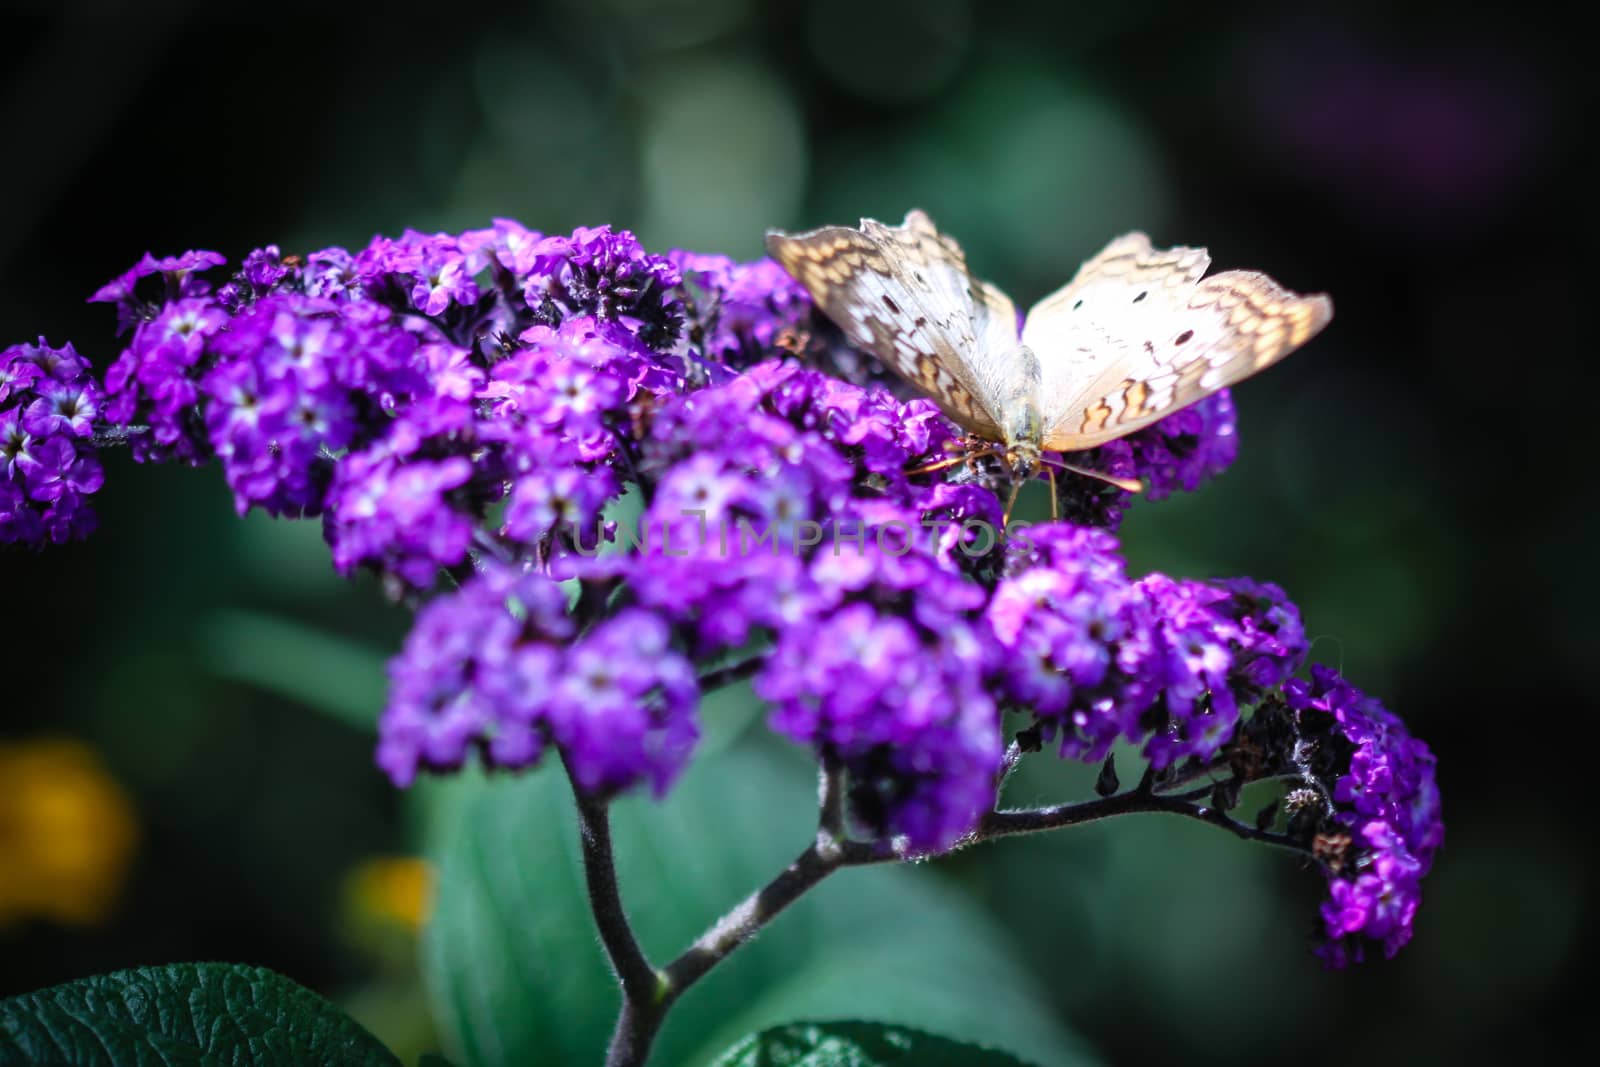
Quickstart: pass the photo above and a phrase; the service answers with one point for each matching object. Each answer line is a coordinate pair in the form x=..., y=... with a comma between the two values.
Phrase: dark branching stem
x=1008, y=763
x=829, y=853
x=642, y=1006
x=648, y=993
x=1180, y=777
x=634, y=973
x=830, y=803
x=737, y=671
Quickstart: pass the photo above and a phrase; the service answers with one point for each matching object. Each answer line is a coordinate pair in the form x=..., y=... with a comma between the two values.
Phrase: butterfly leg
x=1016, y=491
x=1055, y=501
x=944, y=464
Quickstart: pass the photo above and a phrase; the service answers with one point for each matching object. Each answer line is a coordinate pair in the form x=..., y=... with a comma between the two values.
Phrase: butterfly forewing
x=904, y=294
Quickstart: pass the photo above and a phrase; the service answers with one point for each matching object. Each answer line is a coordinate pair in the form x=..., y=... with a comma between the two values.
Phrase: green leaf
x=857, y=1044
x=331, y=674
x=182, y=1013
x=517, y=975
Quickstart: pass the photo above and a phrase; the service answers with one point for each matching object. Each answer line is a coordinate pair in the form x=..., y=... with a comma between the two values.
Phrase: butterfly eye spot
x=1183, y=338
x=1078, y=304
x=1141, y=296
x=888, y=302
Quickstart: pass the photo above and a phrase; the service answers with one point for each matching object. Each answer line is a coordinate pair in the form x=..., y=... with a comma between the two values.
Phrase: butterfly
x=1137, y=334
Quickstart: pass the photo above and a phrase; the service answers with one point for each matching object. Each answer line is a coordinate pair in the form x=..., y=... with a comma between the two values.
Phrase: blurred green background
x=185, y=747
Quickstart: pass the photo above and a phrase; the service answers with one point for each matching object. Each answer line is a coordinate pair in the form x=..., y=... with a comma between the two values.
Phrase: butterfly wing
x=1138, y=334
x=904, y=294
x=1083, y=328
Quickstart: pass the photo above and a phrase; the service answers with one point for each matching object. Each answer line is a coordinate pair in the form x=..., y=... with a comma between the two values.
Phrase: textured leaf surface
x=190, y=1013
x=857, y=1044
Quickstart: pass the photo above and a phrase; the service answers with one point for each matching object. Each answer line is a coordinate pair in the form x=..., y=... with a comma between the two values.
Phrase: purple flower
x=180, y=273
x=738, y=312
x=49, y=465
x=478, y=669
x=264, y=268
x=1180, y=452
x=1269, y=639
x=494, y=668
x=64, y=407
x=558, y=498
x=1083, y=652
x=886, y=675
x=608, y=275
x=430, y=272
x=17, y=447
x=1187, y=448
x=333, y=275
x=398, y=515
x=18, y=371
x=623, y=710
x=1196, y=659
x=506, y=245
x=1385, y=807
x=1376, y=902
x=155, y=382
x=296, y=384
x=569, y=386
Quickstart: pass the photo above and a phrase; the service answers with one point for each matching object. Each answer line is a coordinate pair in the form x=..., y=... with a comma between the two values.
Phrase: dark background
x=1417, y=479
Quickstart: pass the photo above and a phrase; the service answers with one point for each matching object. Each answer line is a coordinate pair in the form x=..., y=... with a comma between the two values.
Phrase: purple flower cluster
x=49, y=465
x=607, y=275
x=1385, y=799
x=403, y=390
x=754, y=476
x=887, y=676
x=1185, y=449
x=298, y=382
x=498, y=668
x=718, y=476
x=1098, y=659
x=740, y=312
x=136, y=300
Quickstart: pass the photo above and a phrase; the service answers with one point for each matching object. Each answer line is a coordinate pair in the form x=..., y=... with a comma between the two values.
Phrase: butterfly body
x=1137, y=334
x=1019, y=419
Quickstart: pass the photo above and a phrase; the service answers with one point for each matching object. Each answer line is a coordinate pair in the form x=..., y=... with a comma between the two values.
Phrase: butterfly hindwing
x=904, y=294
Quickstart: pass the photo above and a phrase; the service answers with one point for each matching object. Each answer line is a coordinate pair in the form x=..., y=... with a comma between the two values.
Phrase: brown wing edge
x=1267, y=297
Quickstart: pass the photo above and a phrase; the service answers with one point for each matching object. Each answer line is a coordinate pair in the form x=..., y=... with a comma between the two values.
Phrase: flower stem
x=648, y=993
x=642, y=1007
x=737, y=671
x=747, y=918
x=830, y=802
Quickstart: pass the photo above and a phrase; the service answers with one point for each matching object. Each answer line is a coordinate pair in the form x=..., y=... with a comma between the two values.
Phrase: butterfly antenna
x=1132, y=485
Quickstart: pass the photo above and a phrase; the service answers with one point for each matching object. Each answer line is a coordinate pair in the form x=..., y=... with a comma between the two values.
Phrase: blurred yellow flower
x=67, y=833
x=394, y=890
